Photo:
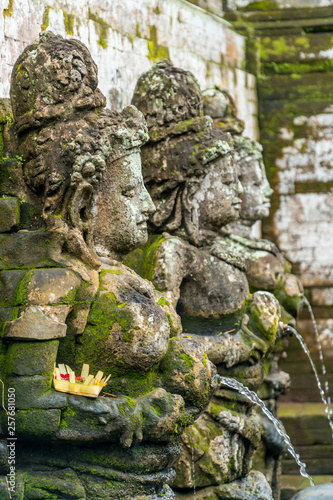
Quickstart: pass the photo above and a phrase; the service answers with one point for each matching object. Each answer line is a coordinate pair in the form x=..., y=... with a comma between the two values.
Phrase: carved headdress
x=219, y=104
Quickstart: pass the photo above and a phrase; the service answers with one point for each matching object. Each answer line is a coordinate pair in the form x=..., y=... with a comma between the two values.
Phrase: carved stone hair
x=53, y=79
x=68, y=139
x=220, y=106
x=166, y=94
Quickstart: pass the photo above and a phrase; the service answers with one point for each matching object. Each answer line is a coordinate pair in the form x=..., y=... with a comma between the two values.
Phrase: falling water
x=321, y=392
x=193, y=473
x=252, y=396
x=321, y=357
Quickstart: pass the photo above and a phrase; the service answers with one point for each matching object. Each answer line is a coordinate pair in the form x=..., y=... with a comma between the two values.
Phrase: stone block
x=56, y=313
x=37, y=423
x=322, y=296
x=31, y=358
x=6, y=314
x=52, y=286
x=63, y=483
x=312, y=86
x=290, y=484
x=313, y=465
x=33, y=324
x=29, y=389
x=30, y=249
x=9, y=214
x=9, y=283
x=308, y=429
x=295, y=48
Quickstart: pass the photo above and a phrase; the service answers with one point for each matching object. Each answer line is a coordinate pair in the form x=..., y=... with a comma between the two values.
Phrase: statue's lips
x=237, y=204
x=142, y=224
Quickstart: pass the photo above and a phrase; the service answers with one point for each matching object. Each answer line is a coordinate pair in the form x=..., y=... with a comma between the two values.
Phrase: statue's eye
x=129, y=193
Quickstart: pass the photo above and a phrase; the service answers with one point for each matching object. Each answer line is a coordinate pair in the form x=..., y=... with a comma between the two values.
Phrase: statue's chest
x=213, y=289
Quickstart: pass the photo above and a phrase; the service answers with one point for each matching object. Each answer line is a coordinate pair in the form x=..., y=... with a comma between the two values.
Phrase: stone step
x=305, y=423
x=318, y=459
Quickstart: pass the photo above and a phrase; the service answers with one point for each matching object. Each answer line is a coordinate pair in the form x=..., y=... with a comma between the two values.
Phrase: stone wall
x=126, y=37
x=265, y=5
x=291, y=51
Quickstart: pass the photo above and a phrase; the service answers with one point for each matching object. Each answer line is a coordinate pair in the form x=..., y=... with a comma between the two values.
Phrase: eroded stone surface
x=81, y=162
x=34, y=324
x=193, y=182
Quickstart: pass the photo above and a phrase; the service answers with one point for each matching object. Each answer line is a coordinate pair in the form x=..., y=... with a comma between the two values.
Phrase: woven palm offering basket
x=64, y=380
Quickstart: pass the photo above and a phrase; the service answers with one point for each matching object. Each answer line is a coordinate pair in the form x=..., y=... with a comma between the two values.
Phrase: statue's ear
x=190, y=213
x=79, y=207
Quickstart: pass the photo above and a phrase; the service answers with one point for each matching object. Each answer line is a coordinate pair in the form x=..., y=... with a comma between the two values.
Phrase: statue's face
x=217, y=199
x=121, y=208
x=255, y=198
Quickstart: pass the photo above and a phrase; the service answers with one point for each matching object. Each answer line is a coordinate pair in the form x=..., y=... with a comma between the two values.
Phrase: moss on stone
x=163, y=302
x=37, y=423
x=103, y=29
x=20, y=298
x=156, y=52
x=143, y=260
x=69, y=23
x=188, y=361
x=261, y=5
x=133, y=383
x=31, y=358
x=70, y=298
x=301, y=67
x=46, y=17
x=9, y=11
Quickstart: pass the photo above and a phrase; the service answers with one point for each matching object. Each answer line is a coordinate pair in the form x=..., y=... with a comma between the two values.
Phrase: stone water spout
x=69, y=299
x=189, y=169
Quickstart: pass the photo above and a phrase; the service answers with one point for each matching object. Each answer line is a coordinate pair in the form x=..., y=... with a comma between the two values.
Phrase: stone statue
x=77, y=204
x=266, y=267
x=189, y=170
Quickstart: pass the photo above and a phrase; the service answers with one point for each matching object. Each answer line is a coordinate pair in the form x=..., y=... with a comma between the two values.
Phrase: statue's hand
x=155, y=417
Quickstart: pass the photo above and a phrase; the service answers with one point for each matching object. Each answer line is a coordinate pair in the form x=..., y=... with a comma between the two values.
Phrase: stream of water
x=254, y=399
x=321, y=391
x=193, y=472
x=321, y=357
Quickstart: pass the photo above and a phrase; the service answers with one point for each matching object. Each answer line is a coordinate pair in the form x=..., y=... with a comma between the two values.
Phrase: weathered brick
x=322, y=296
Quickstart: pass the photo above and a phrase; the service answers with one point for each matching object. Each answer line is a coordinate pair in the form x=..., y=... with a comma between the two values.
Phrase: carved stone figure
x=266, y=268
x=189, y=170
x=77, y=173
